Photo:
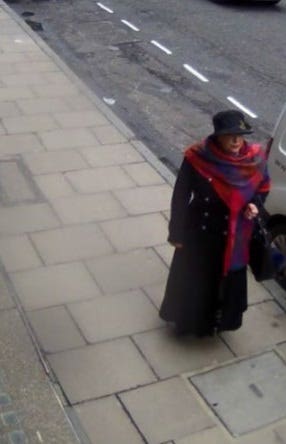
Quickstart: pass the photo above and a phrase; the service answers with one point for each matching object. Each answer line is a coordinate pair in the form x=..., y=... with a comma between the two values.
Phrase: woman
x=215, y=200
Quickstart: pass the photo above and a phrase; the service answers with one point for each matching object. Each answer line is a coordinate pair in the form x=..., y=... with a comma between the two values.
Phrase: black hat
x=230, y=122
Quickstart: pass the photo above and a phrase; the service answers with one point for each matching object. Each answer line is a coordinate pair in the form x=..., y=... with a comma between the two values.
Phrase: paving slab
x=47, y=286
x=170, y=356
x=69, y=244
x=53, y=162
x=166, y=411
x=6, y=300
x=26, y=218
x=108, y=134
x=257, y=386
x=102, y=369
x=96, y=417
x=87, y=208
x=17, y=253
x=54, y=185
x=45, y=66
x=80, y=119
x=264, y=325
x=8, y=109
x=114, y=316
x=143, y=174
x=144, y=200
x=55, y=329
x=256, y=292
x=42, y=105
x=17, y=144
x=15, y=92
x=166, y=252
x=59, y=139
x=56, y=90
x=99, y=179
x=127, y=271
x=156, y=293
x=107, y=155
x=213, y=435
x=136, y=232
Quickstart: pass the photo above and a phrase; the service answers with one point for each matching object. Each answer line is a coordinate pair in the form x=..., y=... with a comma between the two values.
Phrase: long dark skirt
x=197, y=299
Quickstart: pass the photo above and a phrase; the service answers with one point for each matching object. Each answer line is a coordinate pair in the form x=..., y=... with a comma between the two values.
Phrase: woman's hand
x=251, y=211
x=176, y=244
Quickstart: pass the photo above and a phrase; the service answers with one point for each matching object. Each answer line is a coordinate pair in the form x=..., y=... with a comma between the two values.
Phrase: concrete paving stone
x=7, y=68
x=6, y=301
x=246, y=395
x=213, y=435
x=156, y=293
x=256, y=292
x=266, y=436
x=114, y=316
x=264, y=325
x=26, y=218
x=16, y=188
x=71, y=244
x=282, y=348
x=67, y=138
x=80, y=119
x=126, y=271
x=53, y=162
x=2, y=130
x=99, y=370
x=99, y=179
x=29, y=124
x=54, y=90
x=108, y=155
x=42, y=105
x=79, y=102
x=58, y=77
x=85, y=209
x=136, y=232
x=47, y=286
x=37, y=56
x=35, y=67
x=55, y=330
x=145, y=199
x=19, y=143
x=108, y=134
x=96, y=417
x=12, y=57
x=19, y=79
x=54, y=185
x=278, y=432
x=15, y=92
x=143, y=174
x=170, y=356
x=17, y=253
x=8, y=109
x=166, y=411
x=166, y=252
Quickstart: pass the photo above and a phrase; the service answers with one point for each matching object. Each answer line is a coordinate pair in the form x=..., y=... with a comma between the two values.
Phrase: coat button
x=206, y=214
x=203, y=227
x=226, y=216
x=207, y=199
x=210, y=179
x=225, y=233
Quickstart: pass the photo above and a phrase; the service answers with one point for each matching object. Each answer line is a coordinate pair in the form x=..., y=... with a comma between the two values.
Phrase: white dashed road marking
x=163, y=48
x=195, y=73
x=242, y=107
x=105, y=8
x=130, y=25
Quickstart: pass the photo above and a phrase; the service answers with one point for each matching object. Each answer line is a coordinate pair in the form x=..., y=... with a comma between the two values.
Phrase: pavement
x=84, y=357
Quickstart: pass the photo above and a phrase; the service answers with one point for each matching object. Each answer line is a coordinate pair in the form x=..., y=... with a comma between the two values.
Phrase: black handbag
x=264, y=259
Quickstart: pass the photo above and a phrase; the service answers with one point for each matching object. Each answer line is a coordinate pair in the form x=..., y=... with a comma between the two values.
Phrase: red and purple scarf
x=235, y=179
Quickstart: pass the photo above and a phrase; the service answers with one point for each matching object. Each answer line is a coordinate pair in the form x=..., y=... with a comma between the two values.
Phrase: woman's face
x=231, y=143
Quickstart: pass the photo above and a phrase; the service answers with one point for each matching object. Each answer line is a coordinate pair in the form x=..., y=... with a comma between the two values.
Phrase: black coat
x=197, y=299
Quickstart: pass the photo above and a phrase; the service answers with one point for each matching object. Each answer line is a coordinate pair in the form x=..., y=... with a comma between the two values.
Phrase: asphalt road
x=165, y=66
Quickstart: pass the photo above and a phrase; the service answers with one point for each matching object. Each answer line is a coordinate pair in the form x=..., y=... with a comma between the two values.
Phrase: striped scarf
x=235, y=179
